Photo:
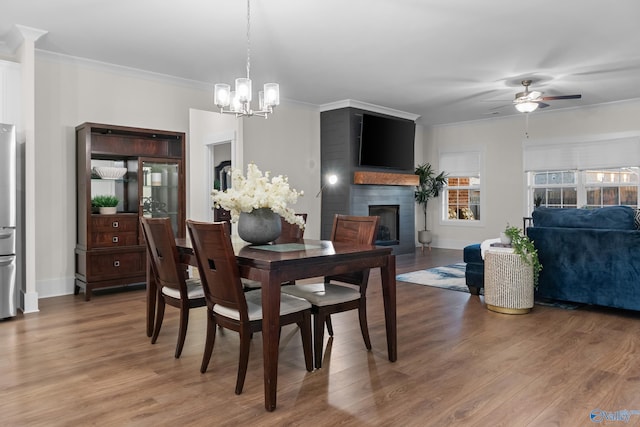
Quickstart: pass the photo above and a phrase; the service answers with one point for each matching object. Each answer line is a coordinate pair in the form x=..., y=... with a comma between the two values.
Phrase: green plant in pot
x=430, y=185
x=107, y=204
x=524, y=247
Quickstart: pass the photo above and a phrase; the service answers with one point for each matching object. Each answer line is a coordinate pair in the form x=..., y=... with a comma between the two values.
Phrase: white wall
x=288, y=143
x=71, y=91
x=501, y=141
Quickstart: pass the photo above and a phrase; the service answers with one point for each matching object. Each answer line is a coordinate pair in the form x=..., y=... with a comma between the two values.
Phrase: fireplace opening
x=389, y=224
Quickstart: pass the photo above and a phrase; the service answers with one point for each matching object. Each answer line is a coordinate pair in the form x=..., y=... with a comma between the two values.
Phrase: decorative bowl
x=107, y=172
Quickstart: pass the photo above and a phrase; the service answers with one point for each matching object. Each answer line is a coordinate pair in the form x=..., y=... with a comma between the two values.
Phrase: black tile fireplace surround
x=357, y=199
x=364, y=196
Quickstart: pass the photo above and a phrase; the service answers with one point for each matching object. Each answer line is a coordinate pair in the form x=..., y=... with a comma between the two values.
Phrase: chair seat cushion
x=251, y=284
x=194, y=290
x=288, y=304
x=323, y=294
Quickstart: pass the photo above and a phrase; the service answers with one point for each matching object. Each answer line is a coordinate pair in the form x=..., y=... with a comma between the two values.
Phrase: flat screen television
x=387, y=142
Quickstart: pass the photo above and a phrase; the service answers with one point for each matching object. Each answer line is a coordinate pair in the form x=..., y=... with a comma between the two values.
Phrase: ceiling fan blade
x=554, y=98
x=500, y=107
x=542, y=105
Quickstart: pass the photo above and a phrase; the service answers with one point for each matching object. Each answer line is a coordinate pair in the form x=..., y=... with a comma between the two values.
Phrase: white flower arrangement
x=258, y=191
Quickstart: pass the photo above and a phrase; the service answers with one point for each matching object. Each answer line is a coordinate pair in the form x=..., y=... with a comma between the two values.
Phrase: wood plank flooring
x=90, y=363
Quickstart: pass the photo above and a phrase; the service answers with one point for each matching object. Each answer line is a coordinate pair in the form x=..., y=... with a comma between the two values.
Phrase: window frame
x=462, y=163
x=582, y=186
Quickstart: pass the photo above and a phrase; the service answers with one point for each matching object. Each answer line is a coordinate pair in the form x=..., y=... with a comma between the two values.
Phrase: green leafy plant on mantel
x=524, y=247
x=104, y=201
x=430, y=185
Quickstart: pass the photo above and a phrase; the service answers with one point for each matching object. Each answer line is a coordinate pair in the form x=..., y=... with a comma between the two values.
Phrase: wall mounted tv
x=387, y=142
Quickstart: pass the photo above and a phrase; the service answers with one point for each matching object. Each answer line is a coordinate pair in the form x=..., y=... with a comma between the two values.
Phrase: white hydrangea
x=258, y=191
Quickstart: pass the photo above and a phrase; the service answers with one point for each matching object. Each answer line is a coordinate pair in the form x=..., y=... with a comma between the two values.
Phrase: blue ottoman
x=474, y=273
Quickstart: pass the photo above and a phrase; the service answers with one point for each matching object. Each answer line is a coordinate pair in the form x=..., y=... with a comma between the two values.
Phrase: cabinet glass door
x=160, y=190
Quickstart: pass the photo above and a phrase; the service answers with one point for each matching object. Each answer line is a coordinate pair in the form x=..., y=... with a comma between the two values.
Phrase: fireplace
x=389, y=224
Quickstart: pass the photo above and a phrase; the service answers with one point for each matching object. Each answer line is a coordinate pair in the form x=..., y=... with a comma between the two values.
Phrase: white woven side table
x=508, y=282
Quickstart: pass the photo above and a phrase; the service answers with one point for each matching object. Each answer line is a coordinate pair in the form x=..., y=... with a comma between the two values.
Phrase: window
x=611, y=187
x=592, y=188
x=587, y=173
x=555, y=189
x=462, y=194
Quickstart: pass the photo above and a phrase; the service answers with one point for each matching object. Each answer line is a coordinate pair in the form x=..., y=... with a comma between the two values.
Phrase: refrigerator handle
x=5, y=234
x=6, y=260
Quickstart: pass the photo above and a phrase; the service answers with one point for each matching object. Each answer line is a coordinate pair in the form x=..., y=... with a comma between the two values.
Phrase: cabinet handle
x=115, y=239
x=116, y=263
x=115, y=224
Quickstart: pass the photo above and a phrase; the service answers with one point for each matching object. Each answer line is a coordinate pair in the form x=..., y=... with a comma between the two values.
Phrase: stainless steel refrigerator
x=8, y=217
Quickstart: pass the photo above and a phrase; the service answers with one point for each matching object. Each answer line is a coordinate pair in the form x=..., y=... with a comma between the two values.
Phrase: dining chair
x=291, y=233
x=229, y=306
x=173, y=285
x=328, y=298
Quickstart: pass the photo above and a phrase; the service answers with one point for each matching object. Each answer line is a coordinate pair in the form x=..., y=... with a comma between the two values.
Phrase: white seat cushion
x=321, y=294
x=194, y=290
x=288, y=304
x=251, y=284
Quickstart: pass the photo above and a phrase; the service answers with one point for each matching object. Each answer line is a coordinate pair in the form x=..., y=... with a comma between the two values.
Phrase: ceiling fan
x=529, y=101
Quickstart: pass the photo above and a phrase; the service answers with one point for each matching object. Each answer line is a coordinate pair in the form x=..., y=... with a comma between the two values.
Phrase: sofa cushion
x=610, y=217
x=637, y=219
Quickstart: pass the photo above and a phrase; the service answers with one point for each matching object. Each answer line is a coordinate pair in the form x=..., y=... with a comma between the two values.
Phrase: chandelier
x=239, y=101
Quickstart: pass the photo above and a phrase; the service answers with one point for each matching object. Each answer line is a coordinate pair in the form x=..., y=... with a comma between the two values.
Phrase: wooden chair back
x=354, y=229
x=217, y=265
x=291, y=233
x=165, y=262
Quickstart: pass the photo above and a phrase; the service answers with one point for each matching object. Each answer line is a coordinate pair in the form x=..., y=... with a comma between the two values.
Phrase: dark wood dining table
x=273, y=265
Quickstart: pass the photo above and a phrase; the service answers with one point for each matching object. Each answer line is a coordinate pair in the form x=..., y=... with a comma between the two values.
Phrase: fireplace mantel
x=385, y=178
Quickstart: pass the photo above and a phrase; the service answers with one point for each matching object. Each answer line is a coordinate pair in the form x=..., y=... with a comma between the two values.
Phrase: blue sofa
x=589, y=256
x=474, y=271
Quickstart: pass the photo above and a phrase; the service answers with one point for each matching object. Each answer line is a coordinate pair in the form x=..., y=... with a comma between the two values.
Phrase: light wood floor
x=90, y=363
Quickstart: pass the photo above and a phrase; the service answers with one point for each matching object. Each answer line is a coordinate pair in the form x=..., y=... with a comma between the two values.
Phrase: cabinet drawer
x=114, y=239
x=115, y=264
x=120, y=223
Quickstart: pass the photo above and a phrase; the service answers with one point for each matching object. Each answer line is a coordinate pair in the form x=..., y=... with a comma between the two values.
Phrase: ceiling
x=447, y=61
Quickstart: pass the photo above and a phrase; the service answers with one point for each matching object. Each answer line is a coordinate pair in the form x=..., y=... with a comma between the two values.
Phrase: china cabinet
x=110, y=249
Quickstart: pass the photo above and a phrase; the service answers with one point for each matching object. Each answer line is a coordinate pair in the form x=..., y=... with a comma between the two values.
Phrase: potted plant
x=430, y=186
x=537, y=200
x=105, y=203
x=524, y=247
x=256, y=202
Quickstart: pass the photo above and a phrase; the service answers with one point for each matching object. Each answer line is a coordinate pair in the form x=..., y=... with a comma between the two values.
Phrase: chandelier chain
x=248, y=38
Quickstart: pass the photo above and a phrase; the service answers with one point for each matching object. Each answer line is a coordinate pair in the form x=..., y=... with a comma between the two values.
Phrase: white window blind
x=460, y=163
x=580, y=155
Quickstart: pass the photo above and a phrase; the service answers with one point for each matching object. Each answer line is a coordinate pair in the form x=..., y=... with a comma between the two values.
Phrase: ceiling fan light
x=526, y=107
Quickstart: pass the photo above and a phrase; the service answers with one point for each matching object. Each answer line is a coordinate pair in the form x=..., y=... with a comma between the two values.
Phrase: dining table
x=274, y=264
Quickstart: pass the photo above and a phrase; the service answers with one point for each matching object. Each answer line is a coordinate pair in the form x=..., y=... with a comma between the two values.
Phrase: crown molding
x=122, y=70
x=345, y=103
x=17, y=35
